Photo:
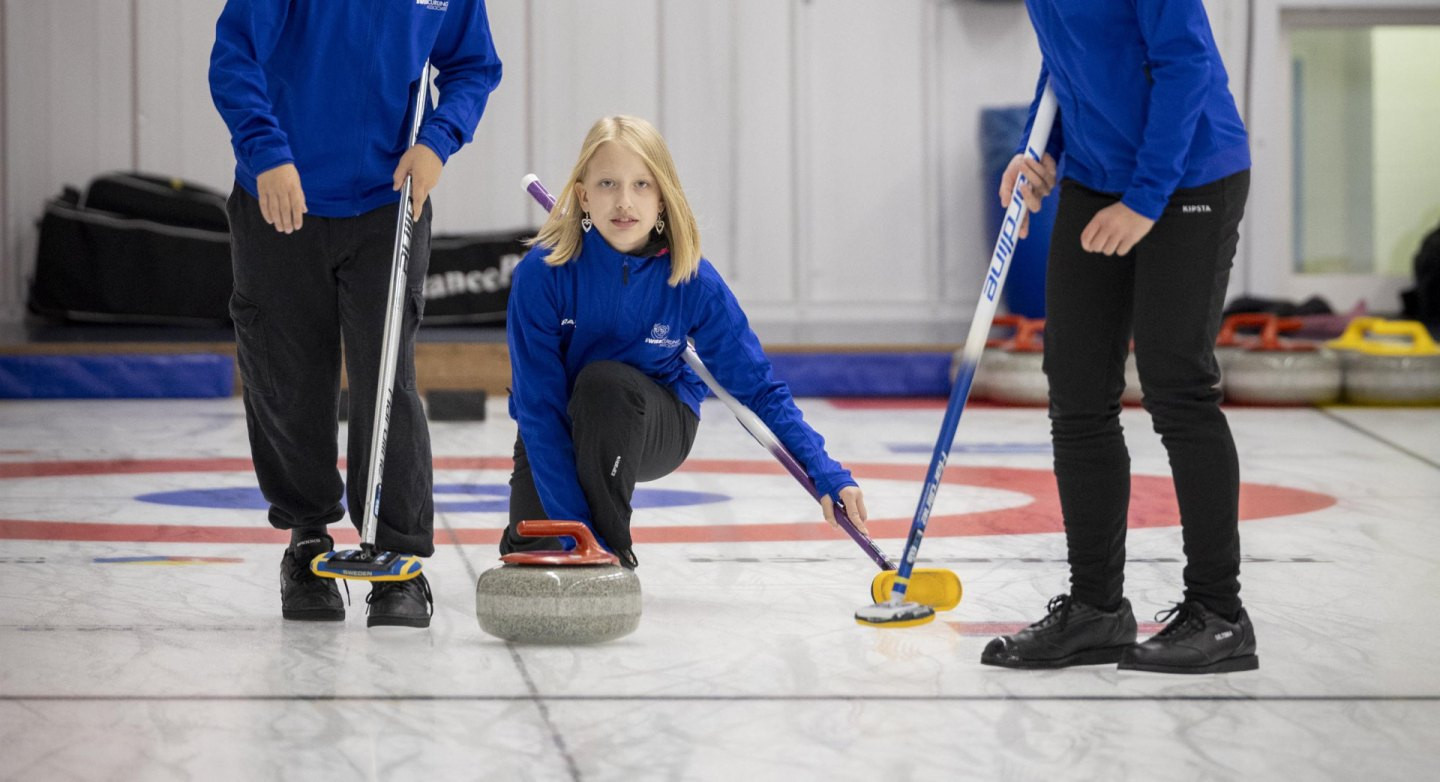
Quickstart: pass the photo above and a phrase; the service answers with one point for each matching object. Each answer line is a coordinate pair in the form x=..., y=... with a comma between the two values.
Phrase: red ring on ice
x=1152, y=504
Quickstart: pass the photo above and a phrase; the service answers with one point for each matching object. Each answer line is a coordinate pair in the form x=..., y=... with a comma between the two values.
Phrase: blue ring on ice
x=449, y=498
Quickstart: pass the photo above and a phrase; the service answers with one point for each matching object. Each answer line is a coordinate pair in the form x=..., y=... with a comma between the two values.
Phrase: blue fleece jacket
x=606, y=305
x=329, y=84
x=1144, y=100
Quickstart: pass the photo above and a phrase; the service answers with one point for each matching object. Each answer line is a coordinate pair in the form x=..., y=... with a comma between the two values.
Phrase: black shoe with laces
x=400, y=603
x=305, y=596
x=1072, y=633
x=1197, y=640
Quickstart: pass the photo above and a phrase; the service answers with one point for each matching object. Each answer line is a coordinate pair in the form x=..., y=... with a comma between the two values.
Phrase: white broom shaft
x=390, y=339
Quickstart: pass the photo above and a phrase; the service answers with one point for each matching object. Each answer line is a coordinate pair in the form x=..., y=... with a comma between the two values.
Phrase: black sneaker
x=1071, y=634
x=1197, y=640
x=400, y=603
x=305, y=596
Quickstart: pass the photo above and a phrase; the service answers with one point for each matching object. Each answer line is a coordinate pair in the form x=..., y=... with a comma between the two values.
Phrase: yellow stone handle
x=1358, y=335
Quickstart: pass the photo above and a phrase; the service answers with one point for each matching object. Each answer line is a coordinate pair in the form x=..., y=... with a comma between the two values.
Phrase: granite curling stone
x=1015, y=373
x=1283, y=372
x=1389, y=362
x=558, y=597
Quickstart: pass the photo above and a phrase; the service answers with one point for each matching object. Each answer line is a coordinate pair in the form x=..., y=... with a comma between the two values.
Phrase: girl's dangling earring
x=659, y=225
x=585, y=223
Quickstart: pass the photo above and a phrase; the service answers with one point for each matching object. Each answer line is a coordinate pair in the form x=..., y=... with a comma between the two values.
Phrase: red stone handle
x=1011, y=320
x=1227, y=339
x=1028, y=336
x=1270, y=336
x=587, y=550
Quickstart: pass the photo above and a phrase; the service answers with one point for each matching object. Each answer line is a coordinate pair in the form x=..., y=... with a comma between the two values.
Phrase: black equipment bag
x=168, y=201
x=1422, y=302
x=135, y=249
x=469, y=277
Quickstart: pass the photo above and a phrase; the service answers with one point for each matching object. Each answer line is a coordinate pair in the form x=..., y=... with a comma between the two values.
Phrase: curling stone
x=1016, y=373
x=1230, y=343
x=1283, y=372
x=558, y=597
x=1389, y=362
x=1227, y=344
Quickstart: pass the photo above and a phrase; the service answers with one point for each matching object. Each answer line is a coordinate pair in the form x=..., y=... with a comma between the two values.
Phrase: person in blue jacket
x=317, y=96
x=599, y=314
x=1157, y=174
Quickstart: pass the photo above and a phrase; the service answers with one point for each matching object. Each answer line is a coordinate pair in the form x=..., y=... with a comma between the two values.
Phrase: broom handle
x=974, y=344
x=390, y=341
x=771, y=443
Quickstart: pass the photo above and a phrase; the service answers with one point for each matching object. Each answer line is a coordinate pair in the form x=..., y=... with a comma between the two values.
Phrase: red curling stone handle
x=587, y=550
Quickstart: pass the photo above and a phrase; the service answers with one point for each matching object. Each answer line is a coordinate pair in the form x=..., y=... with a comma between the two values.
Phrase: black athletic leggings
x=1168, y=293
x=627, y=428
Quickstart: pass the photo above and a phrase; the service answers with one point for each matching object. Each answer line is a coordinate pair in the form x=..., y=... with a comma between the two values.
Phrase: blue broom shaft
x=995, y=275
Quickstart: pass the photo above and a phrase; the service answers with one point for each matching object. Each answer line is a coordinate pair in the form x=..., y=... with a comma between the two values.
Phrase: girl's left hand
x=854, y=502
x=1115, y=230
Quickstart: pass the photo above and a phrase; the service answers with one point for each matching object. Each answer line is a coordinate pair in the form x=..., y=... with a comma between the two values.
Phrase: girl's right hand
x=854, y=501
x=1039, y=181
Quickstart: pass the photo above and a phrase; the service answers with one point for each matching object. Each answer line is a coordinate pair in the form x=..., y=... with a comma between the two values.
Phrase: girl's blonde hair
x=562, y=234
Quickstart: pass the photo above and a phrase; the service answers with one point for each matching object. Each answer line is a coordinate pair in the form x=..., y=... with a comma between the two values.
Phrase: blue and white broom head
x=359, y=565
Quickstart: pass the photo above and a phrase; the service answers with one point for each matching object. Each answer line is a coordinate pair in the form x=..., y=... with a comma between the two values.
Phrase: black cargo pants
x=297, y=296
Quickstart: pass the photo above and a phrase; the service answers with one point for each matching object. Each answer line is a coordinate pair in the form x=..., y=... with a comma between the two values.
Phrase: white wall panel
x=988, y=58
x=480, y=189
x=589, y=58
x=830, y=147
x=726, y=111
x=179, y=132
x=697, y=115
x=864, y=173
x=68, y=114
x=766, y=237
x=10, y=274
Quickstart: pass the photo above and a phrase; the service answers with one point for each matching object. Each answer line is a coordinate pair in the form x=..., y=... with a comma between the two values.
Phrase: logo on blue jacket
x=434, y=5
x=659, y=335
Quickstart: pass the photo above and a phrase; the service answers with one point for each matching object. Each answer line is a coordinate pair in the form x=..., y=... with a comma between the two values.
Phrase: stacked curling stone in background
x=558, y=597
x=1389, y=362
x=1374, y=362
x=1229, y=343
x=1275, y=371
x=1011, y=371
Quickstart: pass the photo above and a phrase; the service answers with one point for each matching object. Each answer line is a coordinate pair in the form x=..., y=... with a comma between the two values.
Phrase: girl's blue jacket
x=1145, y=103
x=329, y=85
x=606, y=305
